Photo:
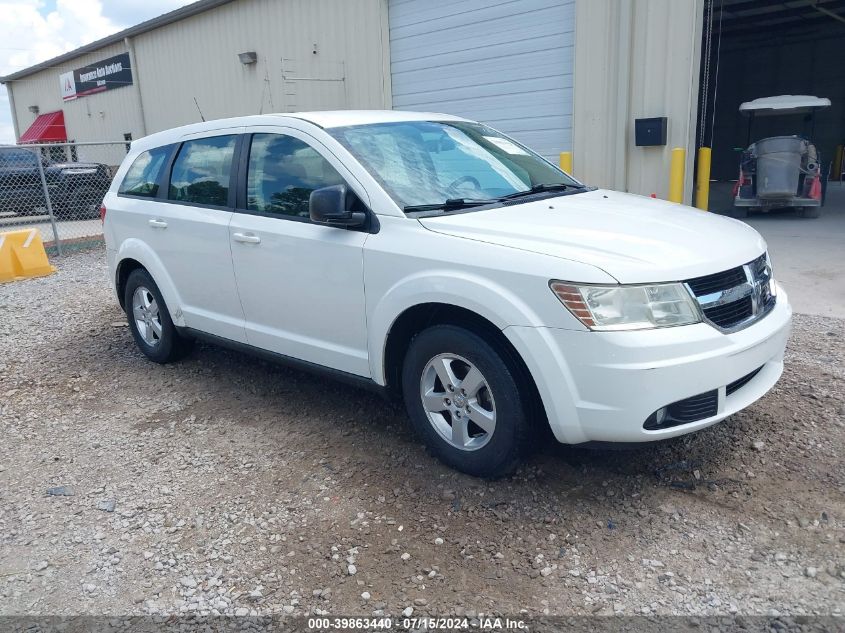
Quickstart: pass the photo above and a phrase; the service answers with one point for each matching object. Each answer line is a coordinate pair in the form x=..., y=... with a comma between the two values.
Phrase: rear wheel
x=808, y=212
x=740, y=213
x=465, y=402
x=149, y=320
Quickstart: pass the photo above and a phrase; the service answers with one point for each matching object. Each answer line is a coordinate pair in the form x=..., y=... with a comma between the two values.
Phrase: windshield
x=430, y=162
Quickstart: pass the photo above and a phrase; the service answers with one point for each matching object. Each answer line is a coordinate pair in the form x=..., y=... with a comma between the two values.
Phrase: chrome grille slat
x=733, y=299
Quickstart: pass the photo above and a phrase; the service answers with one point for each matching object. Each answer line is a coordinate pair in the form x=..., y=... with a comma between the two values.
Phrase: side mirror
x=332, y=206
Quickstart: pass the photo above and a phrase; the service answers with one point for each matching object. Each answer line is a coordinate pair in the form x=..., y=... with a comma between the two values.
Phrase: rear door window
x=142, y=178
x=201, y=171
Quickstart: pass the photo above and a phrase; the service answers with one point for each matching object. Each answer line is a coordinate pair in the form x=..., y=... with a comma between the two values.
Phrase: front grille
x=729, y=314
x=701, y=286
x=692, y=409
x=737, y=297
x=736, y=385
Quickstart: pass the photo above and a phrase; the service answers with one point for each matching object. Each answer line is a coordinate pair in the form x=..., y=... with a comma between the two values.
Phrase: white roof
x=326, y=119
x=340, y=118
x=784, y=104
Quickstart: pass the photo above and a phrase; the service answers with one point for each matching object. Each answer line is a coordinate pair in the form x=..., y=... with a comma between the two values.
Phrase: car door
x=301, y=284
x=188, y=228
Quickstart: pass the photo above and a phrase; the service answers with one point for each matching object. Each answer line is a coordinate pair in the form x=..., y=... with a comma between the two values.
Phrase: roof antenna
x=198, y=109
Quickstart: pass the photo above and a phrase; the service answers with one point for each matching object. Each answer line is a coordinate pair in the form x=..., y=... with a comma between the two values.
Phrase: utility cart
x=781, y=171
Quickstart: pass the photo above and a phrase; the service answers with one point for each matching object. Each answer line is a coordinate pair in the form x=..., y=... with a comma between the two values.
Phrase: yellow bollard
x=836, y=172
x=676, y=175
x=22, y=255
x=702, y=187
x=566, y=162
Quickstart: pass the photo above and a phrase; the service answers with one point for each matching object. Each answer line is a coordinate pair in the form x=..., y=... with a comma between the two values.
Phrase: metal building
x=508, y=64
x=521, y=66
x=209, y=60
x=559, y=75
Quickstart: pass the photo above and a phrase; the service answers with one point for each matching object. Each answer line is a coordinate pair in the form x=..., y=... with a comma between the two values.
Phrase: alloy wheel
x=458, y=401
x=147, y=317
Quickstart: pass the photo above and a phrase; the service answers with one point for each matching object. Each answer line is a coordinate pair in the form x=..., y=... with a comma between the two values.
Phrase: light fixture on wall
x=34, y=109
x=247, y=58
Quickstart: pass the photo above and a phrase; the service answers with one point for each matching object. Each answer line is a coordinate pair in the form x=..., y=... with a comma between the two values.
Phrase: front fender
x=138, y=250
x=480, y=295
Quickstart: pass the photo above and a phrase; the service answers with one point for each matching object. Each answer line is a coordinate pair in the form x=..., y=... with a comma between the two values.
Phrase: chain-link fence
x=57, y=188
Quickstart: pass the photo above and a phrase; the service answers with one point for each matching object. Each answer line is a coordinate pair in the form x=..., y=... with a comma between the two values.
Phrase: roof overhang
x=784, y=104
x=162, y=20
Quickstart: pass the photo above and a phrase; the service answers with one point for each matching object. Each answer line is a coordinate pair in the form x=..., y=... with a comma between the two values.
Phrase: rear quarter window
x=142, y=178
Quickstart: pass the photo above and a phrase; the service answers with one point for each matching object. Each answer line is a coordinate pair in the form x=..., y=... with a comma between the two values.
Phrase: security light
x=249, y=57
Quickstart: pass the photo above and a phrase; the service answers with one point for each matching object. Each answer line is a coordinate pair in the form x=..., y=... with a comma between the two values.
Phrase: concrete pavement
x=809, y=255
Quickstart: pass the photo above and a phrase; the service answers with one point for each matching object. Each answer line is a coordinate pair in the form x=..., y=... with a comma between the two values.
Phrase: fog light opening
x=657, y=419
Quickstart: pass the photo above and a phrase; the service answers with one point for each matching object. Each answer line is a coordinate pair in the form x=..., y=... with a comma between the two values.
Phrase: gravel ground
x=224, y=484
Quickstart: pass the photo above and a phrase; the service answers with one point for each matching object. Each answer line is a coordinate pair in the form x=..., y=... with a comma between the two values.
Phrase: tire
x=489, y=453
x=740, y=213
x=152, y=327
x=808, y=212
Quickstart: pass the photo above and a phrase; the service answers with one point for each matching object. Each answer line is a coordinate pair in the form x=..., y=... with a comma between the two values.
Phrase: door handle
x=248, y=238
x=158, y=224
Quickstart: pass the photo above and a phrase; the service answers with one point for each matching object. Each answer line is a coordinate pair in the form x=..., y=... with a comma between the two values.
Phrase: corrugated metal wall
x=635, y=59
x=312, y=55
x=197, y=57
x=508, y=64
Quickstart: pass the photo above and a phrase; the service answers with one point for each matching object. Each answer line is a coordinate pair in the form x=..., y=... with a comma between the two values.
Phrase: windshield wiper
x=448, y=205
x=541, y=188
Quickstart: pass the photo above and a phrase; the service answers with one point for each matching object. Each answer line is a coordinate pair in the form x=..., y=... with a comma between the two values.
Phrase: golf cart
x=781, y=171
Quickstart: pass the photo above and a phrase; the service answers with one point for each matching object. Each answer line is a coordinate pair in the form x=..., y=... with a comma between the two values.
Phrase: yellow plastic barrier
x=22, y=256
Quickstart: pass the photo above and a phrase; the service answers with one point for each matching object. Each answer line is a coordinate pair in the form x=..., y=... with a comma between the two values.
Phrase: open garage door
x=507, y=64
x=760, y=48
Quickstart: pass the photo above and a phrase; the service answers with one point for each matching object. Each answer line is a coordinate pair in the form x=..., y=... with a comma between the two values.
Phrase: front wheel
x=464, y=401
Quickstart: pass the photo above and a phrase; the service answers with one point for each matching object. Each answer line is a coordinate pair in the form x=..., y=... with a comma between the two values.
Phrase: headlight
x=628, y=307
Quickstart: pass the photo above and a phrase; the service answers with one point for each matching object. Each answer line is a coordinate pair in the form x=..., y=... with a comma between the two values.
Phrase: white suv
x=435, y=258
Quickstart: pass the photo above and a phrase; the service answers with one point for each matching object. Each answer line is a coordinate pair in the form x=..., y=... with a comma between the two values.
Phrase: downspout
x=14, y=110
x=624, y=29
x=130, y=47
x=384, y=40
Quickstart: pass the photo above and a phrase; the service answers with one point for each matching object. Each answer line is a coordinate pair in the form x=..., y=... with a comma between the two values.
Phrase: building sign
x=113, y=72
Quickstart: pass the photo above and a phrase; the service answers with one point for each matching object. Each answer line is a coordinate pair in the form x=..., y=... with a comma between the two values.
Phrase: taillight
x=743, y=181
x=816, y=189
x=103, y=213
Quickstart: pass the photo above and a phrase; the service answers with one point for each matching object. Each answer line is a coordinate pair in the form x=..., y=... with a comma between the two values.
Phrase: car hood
x=633, y=238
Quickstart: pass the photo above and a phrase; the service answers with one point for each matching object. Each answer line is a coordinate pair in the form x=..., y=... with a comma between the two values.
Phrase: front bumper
x=602, y=386
x=776, y=203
